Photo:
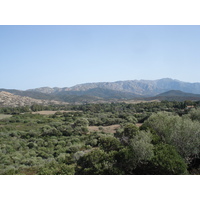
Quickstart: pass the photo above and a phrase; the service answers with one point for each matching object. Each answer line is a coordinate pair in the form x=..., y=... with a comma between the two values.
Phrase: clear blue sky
x=63, y=56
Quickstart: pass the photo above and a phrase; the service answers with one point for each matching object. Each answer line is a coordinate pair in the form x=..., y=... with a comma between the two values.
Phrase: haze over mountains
x=119, y=90
x=137, y=87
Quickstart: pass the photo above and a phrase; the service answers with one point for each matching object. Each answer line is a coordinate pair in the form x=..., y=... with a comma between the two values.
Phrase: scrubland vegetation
x=79, y=141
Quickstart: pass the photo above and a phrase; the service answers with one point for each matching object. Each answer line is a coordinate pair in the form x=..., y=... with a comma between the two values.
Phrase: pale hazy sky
x=63, y=56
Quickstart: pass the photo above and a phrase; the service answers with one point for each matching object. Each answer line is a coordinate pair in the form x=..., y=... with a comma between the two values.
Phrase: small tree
x=166, y=161
x=180, y=132
x=139, y=151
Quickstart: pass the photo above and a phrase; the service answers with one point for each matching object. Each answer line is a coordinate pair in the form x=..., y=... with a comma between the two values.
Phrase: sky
x=63, y=56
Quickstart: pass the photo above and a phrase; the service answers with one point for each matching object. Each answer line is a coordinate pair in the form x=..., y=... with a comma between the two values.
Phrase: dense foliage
x=150, y=138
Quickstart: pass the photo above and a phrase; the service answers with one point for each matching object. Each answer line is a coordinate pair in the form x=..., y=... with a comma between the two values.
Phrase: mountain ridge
x=114, y=91
x=138, y=87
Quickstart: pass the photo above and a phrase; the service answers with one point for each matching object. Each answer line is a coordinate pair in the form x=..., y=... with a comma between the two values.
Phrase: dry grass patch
x=106, y=129
x=139, y=124
x=140, y=101
x=2, y=116
x=51, y=112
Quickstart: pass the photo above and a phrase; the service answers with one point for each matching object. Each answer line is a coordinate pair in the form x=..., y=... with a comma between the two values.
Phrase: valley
x=103, y=128
x=101, y=139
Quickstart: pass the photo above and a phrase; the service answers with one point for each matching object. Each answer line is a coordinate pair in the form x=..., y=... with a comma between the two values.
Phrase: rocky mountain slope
x=137, y=87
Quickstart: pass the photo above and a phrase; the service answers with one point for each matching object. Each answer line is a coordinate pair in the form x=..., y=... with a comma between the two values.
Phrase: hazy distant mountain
x=176, y=95
x=99, y=92
x=137, y=87
x=119, y=90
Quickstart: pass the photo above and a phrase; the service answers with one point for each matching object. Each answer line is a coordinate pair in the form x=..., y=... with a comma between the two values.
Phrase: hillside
x=99, y=92
x=176, y=95
x=8, y=99
x=31, y=93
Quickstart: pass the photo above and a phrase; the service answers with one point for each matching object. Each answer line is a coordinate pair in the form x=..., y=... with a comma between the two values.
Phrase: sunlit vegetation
x=101, y=139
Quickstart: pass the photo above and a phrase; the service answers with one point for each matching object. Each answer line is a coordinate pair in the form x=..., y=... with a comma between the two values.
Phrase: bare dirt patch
x=139, y=124
x=140, y=101
x=2, y=116
x=106, y=129
x=51, y=112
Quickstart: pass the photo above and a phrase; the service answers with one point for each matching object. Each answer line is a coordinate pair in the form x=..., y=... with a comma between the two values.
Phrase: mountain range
x=162, y=89
x=137, y=87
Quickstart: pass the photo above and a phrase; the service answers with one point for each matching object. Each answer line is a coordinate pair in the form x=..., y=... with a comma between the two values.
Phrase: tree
x=81, y=122
x=109, y=143
x=96, y=162
x=166, y=161
x=194, y=114
x=127, y=132
x=81, y=126
x=180, y=132
x=138, y=152
x=54, y=168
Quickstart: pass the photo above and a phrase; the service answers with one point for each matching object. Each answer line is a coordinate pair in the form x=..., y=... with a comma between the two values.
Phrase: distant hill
x=8, y=99
x=177, y=95
x=31, y=93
